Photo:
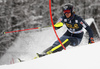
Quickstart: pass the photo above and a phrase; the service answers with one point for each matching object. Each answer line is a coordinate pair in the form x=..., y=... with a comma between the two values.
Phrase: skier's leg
x=49, y=48
x=57, y=46
x=66, y=40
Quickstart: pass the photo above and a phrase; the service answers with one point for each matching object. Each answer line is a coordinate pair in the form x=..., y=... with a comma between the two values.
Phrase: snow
x=80, y=57
x=30, y=42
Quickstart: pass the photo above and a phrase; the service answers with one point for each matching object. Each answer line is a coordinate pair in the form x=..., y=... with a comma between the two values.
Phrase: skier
x=74, y=33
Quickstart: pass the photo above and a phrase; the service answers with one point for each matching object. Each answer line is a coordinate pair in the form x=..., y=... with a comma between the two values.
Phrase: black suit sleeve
x=87, y=27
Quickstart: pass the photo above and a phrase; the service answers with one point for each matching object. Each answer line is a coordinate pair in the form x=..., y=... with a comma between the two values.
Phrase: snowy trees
x=15, y=15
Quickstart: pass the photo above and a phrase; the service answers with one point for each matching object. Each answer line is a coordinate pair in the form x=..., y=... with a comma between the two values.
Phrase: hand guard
x=91, y=40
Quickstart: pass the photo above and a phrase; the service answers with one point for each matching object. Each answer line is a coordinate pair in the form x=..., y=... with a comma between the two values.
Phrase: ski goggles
x=67, y=11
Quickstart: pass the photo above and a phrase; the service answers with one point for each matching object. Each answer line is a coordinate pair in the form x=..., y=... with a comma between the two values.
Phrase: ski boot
x=39, y=55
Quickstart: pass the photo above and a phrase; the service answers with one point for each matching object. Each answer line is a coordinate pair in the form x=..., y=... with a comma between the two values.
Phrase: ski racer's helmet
x=68, y=8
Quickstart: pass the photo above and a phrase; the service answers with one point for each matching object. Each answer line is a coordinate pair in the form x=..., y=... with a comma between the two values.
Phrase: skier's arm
x=89, y=30
x=58, y=24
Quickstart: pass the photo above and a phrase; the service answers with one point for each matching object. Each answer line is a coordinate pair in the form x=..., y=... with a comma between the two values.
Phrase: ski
x=39, y=55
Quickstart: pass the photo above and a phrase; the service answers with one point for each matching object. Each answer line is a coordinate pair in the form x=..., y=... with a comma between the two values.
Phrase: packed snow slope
x=80, y=57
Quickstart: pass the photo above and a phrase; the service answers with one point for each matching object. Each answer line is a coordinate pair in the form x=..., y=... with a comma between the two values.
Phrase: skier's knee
x=74, y=41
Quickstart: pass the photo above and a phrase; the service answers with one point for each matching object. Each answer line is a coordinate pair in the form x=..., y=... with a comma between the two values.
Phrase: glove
x=91, y=40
